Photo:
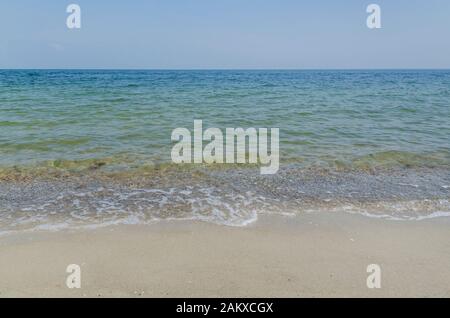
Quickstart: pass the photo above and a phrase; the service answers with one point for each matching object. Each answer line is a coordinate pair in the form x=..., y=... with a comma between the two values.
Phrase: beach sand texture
x=311, y=255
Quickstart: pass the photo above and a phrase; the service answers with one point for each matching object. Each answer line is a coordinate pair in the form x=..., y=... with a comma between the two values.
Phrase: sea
x=90, y=148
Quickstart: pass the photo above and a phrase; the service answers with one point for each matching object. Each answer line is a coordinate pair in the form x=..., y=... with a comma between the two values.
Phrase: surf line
x=237, y=150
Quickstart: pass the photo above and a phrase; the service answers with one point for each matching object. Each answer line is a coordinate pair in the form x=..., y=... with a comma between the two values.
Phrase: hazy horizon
x=225, y=69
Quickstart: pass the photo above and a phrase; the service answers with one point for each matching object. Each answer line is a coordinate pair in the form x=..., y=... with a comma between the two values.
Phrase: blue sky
x=180, y=34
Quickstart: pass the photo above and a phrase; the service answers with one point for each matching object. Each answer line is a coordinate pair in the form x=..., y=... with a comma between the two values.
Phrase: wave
x=228, y=196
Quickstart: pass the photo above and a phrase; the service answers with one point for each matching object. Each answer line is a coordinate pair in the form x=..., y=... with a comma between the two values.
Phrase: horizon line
x=225, y=69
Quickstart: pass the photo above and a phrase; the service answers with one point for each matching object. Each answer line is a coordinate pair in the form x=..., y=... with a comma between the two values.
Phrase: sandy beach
x=88, y=177
x=310, y=255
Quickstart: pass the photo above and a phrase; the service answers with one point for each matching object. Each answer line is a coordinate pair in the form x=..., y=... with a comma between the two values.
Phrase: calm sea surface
x=85, y=147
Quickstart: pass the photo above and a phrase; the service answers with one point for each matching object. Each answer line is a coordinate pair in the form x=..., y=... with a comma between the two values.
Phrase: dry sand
x=312, y=255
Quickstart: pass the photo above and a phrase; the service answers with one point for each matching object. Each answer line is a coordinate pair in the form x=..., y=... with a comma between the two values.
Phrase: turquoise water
x=325, y=117
x=92, y=148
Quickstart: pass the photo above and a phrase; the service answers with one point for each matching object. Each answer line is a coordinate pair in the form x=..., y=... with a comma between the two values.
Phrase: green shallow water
x=125, y=118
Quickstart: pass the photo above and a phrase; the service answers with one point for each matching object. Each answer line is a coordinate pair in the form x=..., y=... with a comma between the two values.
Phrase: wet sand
x=310, y=255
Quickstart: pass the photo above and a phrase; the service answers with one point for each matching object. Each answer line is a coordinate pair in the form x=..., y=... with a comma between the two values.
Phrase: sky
x=225, y=34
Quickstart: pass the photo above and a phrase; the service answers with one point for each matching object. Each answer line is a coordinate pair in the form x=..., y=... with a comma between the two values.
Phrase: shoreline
x=231, y=197
x=309, y=255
